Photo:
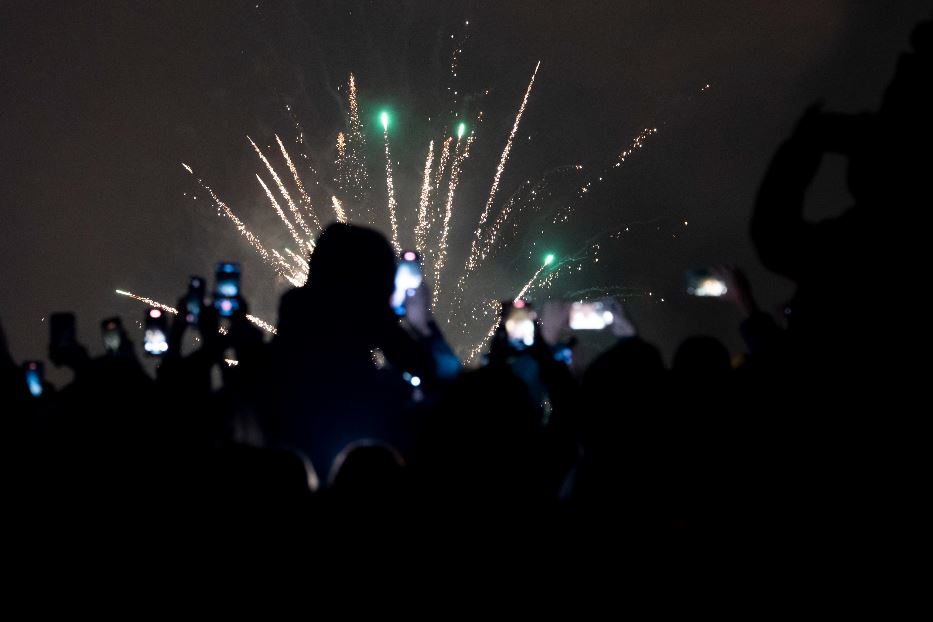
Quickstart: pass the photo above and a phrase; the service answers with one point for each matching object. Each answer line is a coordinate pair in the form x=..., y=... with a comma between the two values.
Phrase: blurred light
x=35, y=385
x=155, y=313
x=711, y=287
x=460, y=130
x=384, y=118
x=415, y=381
x=548, y=260
x=410, y=256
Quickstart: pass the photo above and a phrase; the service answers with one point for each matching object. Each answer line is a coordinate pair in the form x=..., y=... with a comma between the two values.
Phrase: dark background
x=103, y=101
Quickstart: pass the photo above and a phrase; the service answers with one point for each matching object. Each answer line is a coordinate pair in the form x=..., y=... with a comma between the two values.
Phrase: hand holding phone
x=35, y=375
x=593, y=315
x=227, y=288
x=519, y=320
x=155, y=341
x=408, y=279
x=111, y=331
x=194, y=300
x=705, y=283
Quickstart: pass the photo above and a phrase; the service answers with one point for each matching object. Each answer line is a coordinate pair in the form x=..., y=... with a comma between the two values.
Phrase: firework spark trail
x=338, y=210
x=422, y=226
x=341, y=145
x=342, y=178
x=434, y=211
x=445, y=155
x=154, y=303
x=637, y=143
x=301, y=262
x=496, y=308
x=548, y=280
x=288, y=271
x=514, y=205
x=390, y=191
x=288, y=199
x=241, y=227
x=266, y=326
x=588, y=251
x=278, y=210
x=300, y=141
x=530, y=282
x=148, y=301
x=606, y=291
x=356, y=148
x=305, y=199
x=448, y=212
x=285, y=268
x=477, y=235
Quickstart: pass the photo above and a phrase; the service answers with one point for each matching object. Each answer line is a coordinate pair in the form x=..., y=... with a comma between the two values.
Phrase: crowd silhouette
x=308, y=436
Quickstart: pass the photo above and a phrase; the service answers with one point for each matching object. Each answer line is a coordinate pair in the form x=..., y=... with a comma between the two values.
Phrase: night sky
x=104, y=100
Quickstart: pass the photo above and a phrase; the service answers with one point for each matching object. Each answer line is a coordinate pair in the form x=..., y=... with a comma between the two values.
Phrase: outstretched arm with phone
x=786, y=243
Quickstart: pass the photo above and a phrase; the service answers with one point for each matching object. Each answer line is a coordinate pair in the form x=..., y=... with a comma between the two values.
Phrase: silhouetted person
x=846, y=268
x=322, y=390
x=701, y=358
x=368, y=474
x=483, y=450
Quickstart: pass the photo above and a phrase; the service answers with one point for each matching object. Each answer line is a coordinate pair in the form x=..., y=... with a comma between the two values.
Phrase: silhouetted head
x=366, y=470
x=346, y=298
x=701, y=357
x=630, y=359
x=619, y=387
x=352, y=264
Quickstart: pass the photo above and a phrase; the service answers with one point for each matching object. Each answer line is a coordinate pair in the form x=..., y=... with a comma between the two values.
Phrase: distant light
x=549, y=260
x=460, y=130
x=384, y=117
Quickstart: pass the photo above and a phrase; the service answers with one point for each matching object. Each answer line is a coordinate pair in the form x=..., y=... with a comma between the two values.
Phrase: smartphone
x=194, y=300
x=589, y=316
x=519, y=320
x=155, y=342
x=705, y=284
x=35, y=373
x=62, y=330
x=227, y=288
x=111, y=331
x=407, y=279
